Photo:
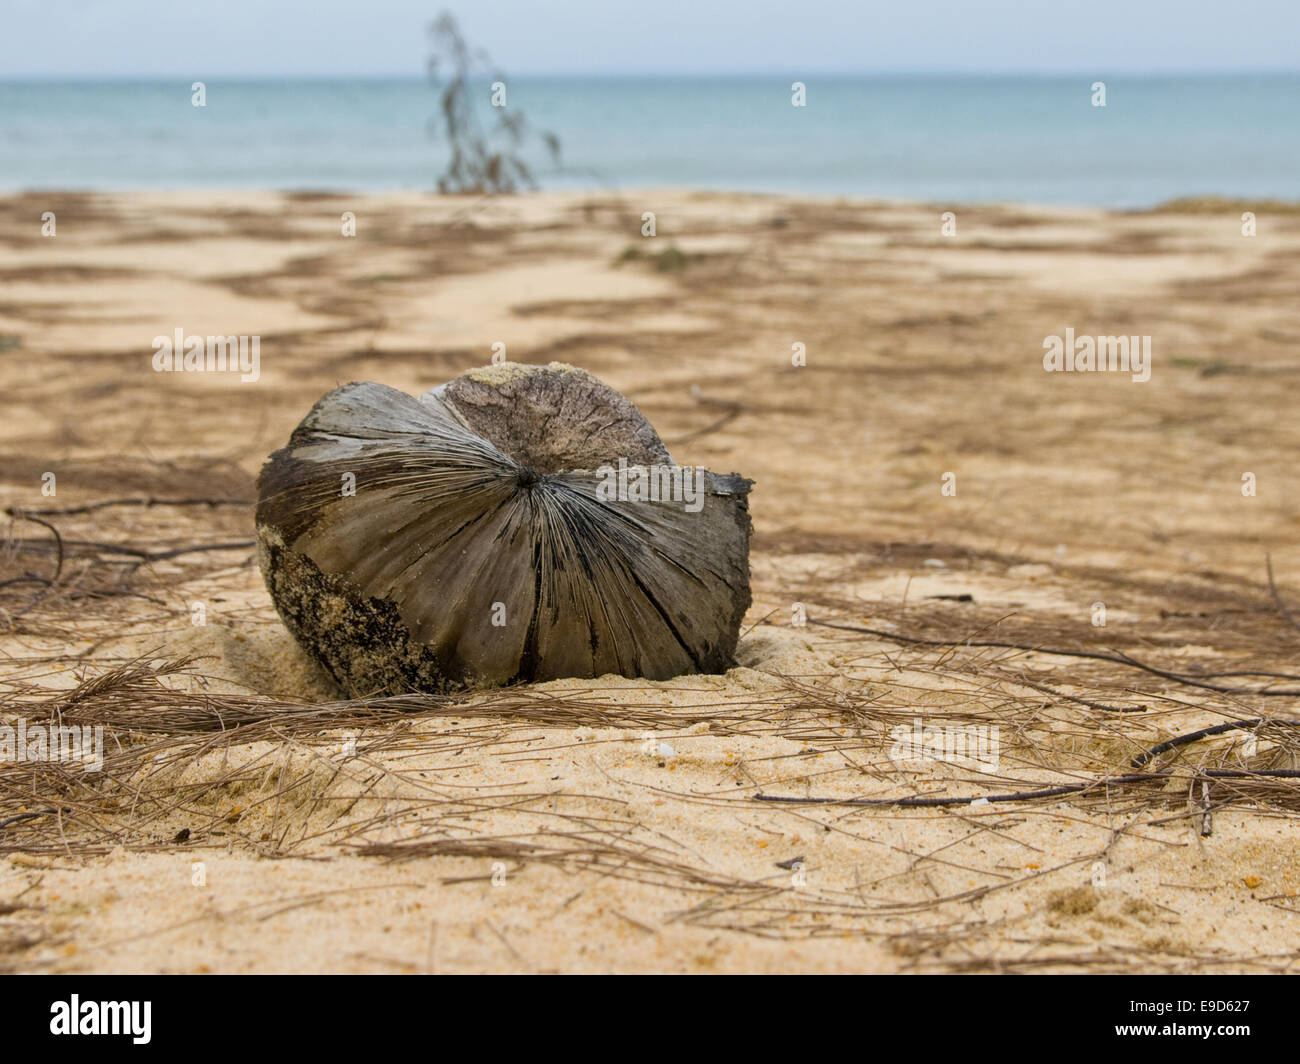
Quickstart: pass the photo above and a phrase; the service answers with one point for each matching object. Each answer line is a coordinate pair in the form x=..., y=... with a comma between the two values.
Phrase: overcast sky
x=292, y=38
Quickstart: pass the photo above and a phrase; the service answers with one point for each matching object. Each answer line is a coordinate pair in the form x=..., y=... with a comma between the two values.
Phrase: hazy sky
x=285, y=38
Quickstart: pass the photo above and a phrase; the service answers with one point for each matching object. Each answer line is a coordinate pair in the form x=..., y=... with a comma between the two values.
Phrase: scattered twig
x=1117, y=657
x=146, y=501
x=1277, y=598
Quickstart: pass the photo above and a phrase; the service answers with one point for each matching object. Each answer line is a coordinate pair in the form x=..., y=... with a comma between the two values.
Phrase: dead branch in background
x=483, y=161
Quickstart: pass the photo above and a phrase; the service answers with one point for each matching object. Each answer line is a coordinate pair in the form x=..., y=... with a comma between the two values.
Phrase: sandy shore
x=617, y=825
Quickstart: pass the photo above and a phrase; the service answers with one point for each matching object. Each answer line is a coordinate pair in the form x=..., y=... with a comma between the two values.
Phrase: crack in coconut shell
x=477, y=550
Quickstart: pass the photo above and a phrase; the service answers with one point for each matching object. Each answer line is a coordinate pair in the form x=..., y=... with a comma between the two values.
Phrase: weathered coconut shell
x=478, y=502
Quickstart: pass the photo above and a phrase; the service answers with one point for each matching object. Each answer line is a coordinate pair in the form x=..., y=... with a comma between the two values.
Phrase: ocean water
x=941, y=139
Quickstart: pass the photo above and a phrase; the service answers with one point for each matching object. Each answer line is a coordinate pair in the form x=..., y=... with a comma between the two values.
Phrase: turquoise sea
x=941, y=139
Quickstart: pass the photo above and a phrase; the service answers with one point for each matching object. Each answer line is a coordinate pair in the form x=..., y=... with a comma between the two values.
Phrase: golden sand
x=614, y=824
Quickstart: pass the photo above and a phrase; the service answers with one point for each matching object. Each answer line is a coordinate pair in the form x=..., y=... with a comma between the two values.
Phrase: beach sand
x=613, y=824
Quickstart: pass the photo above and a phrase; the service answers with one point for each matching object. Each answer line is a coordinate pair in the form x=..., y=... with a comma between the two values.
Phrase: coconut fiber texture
x=479, y=535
